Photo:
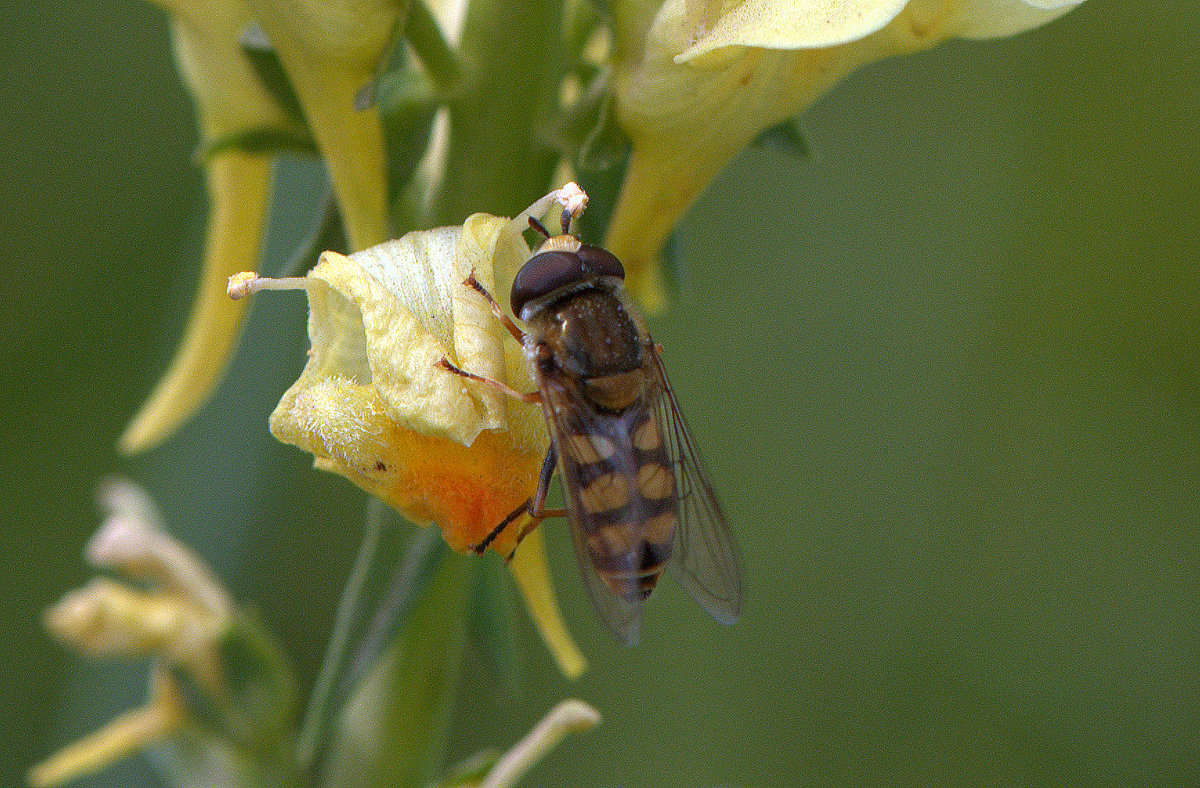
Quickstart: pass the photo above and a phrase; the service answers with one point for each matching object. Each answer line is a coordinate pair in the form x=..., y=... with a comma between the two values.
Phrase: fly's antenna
x=572, y=199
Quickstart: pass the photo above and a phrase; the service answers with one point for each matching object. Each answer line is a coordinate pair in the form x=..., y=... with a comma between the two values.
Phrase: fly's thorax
x=591, y=336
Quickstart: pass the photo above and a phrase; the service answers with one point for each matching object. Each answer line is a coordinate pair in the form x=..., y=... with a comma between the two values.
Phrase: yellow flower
x=230, y=100
x=330, y=52
x=183, y=618
x=696, y=81
x=373, y=405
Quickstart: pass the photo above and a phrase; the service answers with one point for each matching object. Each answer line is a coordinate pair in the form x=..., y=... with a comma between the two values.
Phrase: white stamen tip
x=240, y=284
x=570, y=716
x=248, y=282
x=573, y=198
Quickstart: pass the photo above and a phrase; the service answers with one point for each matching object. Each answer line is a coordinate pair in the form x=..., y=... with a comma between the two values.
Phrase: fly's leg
x=531, y=506
x=532, y=398
x=504, y=319
x=537, y=510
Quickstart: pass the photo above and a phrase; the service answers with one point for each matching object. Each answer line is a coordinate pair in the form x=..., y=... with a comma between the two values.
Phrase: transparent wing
x=572, y=419
x=706, y=553
x=623, y=617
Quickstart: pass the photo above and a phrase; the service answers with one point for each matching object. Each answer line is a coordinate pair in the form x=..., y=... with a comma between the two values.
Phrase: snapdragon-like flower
x=230, y=101
x=373, y=404
x=696, y=81
x=330, y=52
x=215, y=675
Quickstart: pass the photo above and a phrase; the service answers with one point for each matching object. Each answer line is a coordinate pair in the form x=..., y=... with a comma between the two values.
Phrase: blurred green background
x=945, y=376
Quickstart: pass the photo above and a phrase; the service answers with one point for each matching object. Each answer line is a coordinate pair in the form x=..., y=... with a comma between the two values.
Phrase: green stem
x=375, y=556
x=500, y=158
x=423, y=33
x=393, y=730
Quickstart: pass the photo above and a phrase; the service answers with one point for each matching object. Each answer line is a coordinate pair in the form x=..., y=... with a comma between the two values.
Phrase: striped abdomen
x=622, y=490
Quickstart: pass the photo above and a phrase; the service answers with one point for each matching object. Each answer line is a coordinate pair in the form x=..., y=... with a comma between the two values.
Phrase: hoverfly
x=634, y=488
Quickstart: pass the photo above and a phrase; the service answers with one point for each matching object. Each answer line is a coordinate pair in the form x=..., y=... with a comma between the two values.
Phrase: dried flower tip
x=573, y=198
x=131, y=539
x=118, y=496
x=570, y=716
x=248, y=282
x=160, y=717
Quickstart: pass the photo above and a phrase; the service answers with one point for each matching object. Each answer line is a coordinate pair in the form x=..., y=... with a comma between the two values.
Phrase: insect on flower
x=635, y=491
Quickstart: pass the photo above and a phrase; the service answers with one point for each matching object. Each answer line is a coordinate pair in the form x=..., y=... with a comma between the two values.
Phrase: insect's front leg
x=504, y=319
x=532, y=398
x=531, y=506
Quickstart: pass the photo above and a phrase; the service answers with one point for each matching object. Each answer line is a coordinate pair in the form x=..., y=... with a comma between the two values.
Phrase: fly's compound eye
x=601, y=261
x=546, y=272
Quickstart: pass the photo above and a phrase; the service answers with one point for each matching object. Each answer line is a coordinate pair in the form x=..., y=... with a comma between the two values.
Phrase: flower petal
x=702, y=85
x=997, y=18
x=532, y=574
x=373, y=405
x=229, y=99
x=795, y=24
x=330, y=52
x=162, y=716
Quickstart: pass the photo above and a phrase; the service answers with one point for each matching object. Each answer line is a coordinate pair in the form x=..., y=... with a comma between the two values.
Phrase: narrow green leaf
x=582, y=20
x=270, y=70
x=407, y=108
x=410, y=578
x=260, y=140
x=376, y=557
x=600, y=166
x=327, y=233
x=589, y=136
x=195, y=757
x=392, y=732
x=254, y=711
x=260, y=684
x=424, y=34
x=393, y=58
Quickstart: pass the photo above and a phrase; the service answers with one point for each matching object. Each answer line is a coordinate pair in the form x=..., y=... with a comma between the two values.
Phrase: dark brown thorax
x=589, y=336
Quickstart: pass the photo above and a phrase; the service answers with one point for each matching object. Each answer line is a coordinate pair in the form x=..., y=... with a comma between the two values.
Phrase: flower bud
x=230, y=100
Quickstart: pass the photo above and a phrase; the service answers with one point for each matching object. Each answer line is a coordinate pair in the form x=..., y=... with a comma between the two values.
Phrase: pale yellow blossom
x=229, y=100
x=201, y=649
x=696, y=81
x=373, y=405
